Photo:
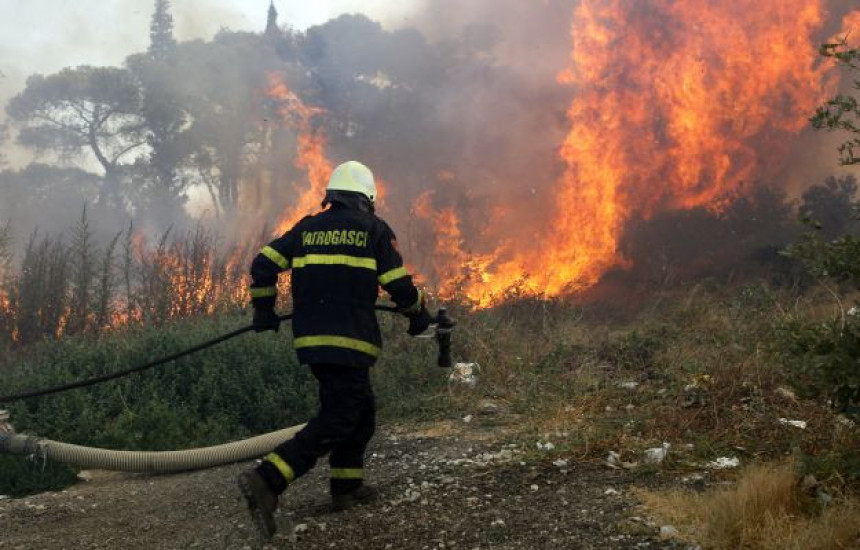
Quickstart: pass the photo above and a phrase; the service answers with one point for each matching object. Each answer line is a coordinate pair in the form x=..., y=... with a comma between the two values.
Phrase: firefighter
x=339, y=259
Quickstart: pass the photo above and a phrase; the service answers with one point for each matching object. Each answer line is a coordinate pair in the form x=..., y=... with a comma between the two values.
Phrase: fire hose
x=35, y=447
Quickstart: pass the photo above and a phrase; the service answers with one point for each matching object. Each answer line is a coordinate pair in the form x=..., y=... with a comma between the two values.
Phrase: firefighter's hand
x=266, y=319
x=420, y=322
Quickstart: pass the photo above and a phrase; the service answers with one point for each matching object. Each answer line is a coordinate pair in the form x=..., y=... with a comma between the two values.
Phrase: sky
x=43, y=36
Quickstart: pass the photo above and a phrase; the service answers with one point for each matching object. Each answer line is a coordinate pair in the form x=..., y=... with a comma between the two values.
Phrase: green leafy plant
x=826, y=354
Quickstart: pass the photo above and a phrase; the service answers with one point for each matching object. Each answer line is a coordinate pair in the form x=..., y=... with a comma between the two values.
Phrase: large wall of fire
x=673, y=105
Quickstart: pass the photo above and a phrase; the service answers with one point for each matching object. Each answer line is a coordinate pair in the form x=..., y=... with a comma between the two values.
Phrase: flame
x=310, y=155
x=679, y=104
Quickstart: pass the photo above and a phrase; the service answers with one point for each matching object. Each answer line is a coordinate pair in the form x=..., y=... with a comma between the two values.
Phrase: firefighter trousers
x=342, y=429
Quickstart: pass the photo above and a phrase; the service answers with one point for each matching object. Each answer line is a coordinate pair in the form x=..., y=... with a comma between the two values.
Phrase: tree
x=829, y=206
x=272, y=21
x=165, y=113
x=843, y=111
x=162, y=45
x=162, y=107
x=226, y=83
x=94, y=109
x=825, y=355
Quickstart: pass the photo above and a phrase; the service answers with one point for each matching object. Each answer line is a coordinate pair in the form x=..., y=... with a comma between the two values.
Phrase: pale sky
x=43, y=36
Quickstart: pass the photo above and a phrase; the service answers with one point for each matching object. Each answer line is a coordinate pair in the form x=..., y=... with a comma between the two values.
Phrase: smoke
x=471, y=113
x=487, y=77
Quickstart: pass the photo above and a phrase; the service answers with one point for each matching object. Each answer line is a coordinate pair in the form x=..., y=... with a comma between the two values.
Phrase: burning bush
x=80, y=287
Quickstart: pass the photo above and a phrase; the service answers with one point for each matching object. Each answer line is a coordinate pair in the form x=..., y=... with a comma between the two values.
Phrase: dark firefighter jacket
x=339, y=259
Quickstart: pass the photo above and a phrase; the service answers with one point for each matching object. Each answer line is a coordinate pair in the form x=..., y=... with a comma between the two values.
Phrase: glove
x=419, y=322
x=266, y=319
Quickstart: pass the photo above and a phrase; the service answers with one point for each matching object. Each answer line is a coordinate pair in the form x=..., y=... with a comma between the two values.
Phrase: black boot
x=362, y=495
x=262, y=502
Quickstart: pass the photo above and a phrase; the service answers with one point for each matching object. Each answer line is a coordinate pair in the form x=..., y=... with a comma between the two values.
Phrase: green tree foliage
x=87, y=109
x=162, y=45
x=842, y=113
x=826, y=354
x=165, y=112
x=224, y=88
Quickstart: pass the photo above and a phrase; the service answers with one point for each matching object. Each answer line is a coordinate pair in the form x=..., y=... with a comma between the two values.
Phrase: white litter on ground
x=613, y=459
x=668, y=532
x=801, y=424
x=724, y=463
x=657, y=455
x=465, y=373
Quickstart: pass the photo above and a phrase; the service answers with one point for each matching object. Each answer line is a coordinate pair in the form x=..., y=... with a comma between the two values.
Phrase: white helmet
x=354, y=177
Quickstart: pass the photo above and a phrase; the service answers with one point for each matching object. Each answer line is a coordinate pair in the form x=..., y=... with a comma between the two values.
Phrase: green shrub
x=246, y=386
x=825, y=359
x=825, y=355
x=24, y=477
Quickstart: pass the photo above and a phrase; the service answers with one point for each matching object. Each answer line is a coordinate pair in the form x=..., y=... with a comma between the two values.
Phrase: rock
x=465, y=374
x=467, y=418
x=843, y=420
x=613, y=460
x=631, y=385
x=85, y=475
x=611, y=492
x=668, y=532
x=489, y=408
x=809, y=484
x=786, y=394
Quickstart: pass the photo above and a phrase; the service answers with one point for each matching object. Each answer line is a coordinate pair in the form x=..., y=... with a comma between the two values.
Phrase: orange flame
x=679, y=104
x=310, y=155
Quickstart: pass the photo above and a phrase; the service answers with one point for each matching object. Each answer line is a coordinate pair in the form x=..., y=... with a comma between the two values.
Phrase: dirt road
x=438, y=491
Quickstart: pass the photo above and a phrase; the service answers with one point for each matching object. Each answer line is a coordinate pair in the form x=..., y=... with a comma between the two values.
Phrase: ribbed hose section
x=145, y=462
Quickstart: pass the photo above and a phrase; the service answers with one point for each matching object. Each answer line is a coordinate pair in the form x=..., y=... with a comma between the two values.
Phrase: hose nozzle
x=444, y=327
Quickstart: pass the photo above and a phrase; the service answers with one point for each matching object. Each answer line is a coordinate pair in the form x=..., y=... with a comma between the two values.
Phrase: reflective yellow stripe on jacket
x=393, y=275
x=276, y=257
x=334, y=259
x=337, y=342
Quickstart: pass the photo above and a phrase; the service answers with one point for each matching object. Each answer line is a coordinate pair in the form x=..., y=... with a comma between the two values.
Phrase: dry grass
x=560, y=368
x=764, y=510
